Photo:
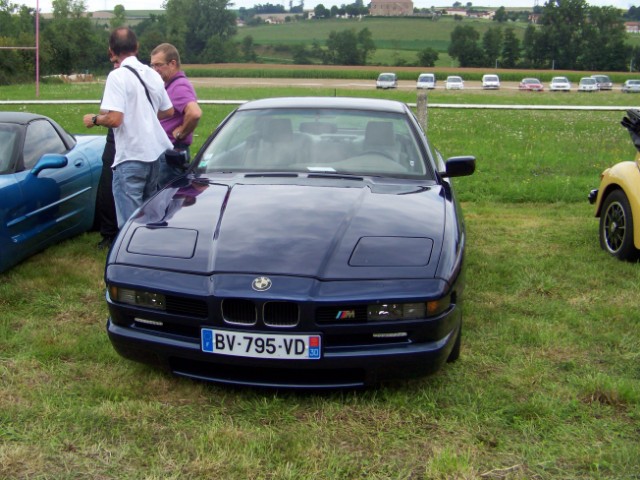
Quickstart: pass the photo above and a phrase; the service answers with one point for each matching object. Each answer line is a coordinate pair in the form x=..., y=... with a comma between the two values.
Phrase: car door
x=53, y=201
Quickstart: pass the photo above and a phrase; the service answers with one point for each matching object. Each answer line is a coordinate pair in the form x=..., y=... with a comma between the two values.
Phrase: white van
x=387, y=80
x=426, y=80
x=490, y=82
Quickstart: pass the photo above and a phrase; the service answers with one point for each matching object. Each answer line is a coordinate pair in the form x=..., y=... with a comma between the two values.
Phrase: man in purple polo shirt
x=165, y=60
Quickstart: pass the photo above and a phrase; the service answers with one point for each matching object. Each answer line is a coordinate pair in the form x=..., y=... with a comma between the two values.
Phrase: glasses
x=158, y=65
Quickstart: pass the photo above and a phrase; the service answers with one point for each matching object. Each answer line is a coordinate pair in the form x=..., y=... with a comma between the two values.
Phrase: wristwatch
x=94, y=119
x=179, y=136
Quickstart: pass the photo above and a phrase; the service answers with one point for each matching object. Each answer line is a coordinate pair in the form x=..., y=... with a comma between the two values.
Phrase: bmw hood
x=327, y=230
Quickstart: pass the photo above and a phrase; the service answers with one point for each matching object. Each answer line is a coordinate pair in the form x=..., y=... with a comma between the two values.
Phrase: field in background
x=396, y=39
x=547, y=387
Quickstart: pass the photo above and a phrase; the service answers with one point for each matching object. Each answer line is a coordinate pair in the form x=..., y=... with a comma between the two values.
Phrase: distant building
x=632, y=27
x=391, y=8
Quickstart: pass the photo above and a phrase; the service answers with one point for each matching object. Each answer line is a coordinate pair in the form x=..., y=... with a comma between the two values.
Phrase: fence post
x=422, y=109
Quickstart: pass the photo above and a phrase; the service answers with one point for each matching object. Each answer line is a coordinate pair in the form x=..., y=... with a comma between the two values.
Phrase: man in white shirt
x=134, y=101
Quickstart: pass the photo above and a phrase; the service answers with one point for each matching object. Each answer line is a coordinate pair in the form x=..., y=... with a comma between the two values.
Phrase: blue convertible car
x=48, y=183
x=315, y=242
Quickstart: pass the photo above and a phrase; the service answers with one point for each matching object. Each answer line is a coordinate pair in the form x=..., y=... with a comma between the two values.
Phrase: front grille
x=186, y=306
x=238, y=311
x=281, y=314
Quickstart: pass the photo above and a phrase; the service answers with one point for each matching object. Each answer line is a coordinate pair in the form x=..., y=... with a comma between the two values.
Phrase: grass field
x=547, y=387
x=396, y=39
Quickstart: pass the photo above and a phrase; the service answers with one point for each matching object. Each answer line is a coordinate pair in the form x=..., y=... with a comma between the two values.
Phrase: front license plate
x=261, y=345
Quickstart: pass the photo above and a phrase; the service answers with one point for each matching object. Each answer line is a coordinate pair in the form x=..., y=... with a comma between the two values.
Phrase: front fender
x=624, y=176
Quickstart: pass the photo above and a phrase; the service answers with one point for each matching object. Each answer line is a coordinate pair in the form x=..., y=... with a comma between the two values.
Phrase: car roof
x=347, y=103
x=21, y=118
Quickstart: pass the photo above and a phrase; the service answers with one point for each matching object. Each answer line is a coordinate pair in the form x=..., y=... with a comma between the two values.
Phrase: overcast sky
x=93, y=5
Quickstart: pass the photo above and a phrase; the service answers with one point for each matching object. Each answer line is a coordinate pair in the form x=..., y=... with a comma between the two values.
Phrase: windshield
x=386, y=78
x=316, y=141
x=8, y=140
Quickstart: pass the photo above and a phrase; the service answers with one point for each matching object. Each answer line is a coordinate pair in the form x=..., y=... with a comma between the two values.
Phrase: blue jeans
x=168, y=173
x=133, y=183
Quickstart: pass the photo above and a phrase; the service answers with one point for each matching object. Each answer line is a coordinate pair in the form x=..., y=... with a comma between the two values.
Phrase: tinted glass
x=8, y=141
x=317, y=141
x=41, y=138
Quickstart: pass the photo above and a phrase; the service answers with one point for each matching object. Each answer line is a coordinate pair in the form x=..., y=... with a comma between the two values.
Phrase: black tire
x=616, y=227
x=455, y=351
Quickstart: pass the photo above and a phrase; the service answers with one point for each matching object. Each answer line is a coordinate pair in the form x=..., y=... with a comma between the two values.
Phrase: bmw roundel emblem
x=261, y=284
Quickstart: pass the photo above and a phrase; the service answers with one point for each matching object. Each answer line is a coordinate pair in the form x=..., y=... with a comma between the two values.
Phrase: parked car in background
x=48, y=184
x=588, y=84
x=603, y=81
x=617, y=201
x=560, y=84
x=631, y=86
x=454, y=82
x=531, y=85
x=314, y=242
x=426, y=81
x=490, y=82
x=387, y=80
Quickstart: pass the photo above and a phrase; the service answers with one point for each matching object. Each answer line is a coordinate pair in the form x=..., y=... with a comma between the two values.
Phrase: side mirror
x=459, y=166
x=49, y=160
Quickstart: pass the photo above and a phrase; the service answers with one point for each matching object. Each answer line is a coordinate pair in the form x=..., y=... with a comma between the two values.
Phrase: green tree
x=366, y=46
x=492, y=42
x=563, y=23
x=203, y=37
x=604, y=41
x=348, y=47
x=427, y=57
x=464, y=46
x=342, y=48
x=119, y=18
x=301, y=56
x=500, y=15
x=151, y=32
x=510, y=49
x=248, y=50
x=70, y=43
x=535, y=48
x=320, y=11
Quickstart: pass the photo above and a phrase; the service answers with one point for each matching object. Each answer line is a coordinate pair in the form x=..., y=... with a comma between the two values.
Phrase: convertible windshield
x=8, y=137
x=316, y=141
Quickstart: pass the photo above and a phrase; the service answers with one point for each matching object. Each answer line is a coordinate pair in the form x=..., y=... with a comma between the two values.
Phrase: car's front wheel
x=616, y=227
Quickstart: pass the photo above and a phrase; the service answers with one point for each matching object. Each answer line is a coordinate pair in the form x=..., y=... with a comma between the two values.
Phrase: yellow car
x=617, y=201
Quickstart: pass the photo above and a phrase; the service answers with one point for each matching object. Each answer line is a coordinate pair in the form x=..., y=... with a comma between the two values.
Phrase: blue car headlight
x=139, y=298
x=407, y=311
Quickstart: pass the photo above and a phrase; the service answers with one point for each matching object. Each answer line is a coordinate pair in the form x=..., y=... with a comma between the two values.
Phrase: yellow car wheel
x=616, y=227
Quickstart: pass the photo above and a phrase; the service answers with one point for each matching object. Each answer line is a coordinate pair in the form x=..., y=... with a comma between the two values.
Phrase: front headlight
x=407, y=311
x=139, y=298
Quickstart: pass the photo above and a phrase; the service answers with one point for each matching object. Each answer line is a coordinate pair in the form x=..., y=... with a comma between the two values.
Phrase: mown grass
x=547, y=387
x=396, y=39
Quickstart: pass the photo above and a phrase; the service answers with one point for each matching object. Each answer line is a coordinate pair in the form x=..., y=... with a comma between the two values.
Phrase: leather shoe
x=105, y=243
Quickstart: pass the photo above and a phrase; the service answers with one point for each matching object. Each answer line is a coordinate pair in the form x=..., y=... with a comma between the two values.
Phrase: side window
x=7, y=145
x=41, y=138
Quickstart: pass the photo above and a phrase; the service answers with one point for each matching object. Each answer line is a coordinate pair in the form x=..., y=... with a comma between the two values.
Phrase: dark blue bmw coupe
x=314, y=242
x=48, y=184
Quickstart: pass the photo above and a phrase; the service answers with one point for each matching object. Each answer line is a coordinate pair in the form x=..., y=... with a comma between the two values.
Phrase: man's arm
x=162, y=114
x=110, y=119
x=192, y=114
